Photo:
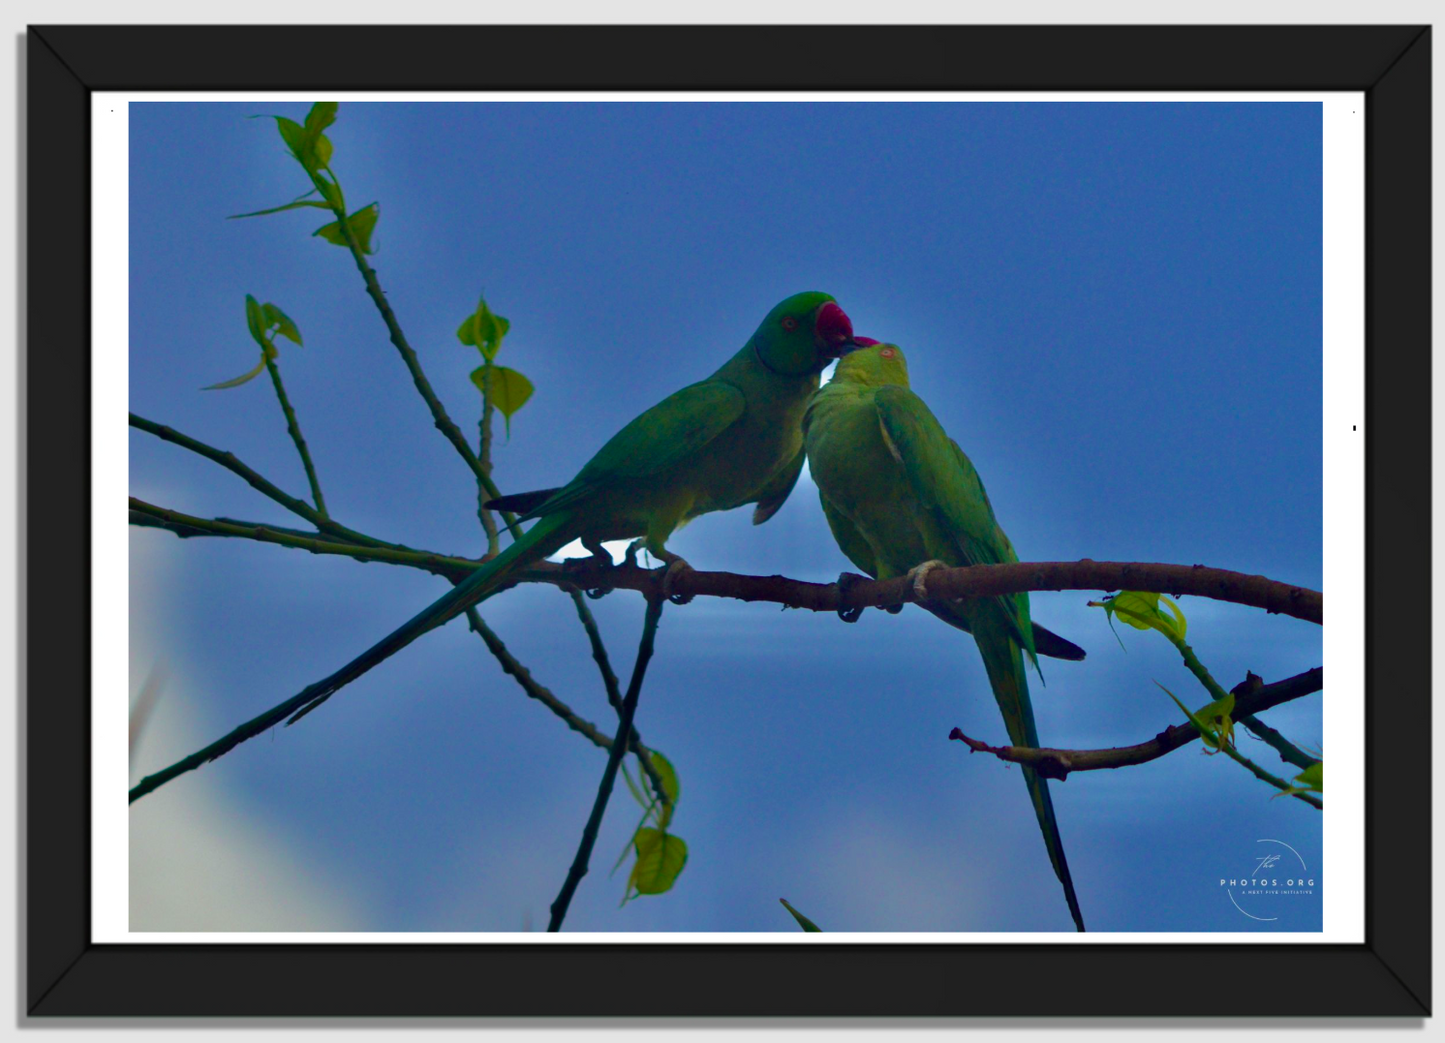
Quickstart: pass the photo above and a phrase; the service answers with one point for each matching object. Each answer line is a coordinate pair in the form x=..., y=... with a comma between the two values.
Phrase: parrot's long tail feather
x=1046, y=642
x=547, y=536
x=1004, y=662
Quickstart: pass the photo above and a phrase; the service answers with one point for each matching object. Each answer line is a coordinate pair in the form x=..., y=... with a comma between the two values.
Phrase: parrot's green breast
x=869, y=504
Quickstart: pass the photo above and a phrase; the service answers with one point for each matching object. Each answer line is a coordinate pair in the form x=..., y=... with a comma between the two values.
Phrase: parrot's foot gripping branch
x=918, y=575
x=598, y=561
x=675, y=568
x=846, y=582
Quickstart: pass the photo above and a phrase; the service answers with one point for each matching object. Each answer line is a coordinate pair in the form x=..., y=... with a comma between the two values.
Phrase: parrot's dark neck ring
x=758, y=354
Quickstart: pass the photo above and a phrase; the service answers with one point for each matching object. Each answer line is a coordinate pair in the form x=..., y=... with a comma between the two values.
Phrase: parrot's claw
x=599, y=561
x=919, y=576
x=675, y=568
x=846, y=582
x=593, y=562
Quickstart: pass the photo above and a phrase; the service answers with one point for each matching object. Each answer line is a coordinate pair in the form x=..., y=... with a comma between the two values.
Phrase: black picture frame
x=66, y=975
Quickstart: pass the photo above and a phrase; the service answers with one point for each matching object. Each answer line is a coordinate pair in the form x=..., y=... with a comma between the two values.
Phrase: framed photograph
x=819, y=537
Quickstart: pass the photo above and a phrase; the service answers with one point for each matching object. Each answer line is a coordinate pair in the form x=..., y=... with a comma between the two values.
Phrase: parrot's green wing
x=778, y=488
x=850, y=540
x=948, y=487
x=668, y=433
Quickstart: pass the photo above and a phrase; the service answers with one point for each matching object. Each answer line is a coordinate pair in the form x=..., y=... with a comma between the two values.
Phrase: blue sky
x=1114, y=309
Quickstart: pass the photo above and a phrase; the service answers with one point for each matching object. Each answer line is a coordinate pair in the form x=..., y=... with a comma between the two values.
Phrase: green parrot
x=732, y=439
x=902, y=498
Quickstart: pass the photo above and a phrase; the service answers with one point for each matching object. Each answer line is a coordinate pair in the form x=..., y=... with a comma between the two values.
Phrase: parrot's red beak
x=833, y=331
x=865, y=342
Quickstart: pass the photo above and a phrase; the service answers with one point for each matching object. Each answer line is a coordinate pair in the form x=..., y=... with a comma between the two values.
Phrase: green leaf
x=284, y=326
x=297, y=205
x=483, y=329
x=362, y=223
x=1311, y=780
x=1140, y=610
x=670, y=789
x=256, y=320
x=660, y=858
x=238, y=381
x=321, y=149
x=321, y=116
x=510, y=390
x=632, y=786
x=293, y=134
x=1212, y=720
x=803, y=921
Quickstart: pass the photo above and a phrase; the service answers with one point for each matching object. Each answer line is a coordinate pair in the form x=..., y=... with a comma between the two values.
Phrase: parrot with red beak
x=734, y=438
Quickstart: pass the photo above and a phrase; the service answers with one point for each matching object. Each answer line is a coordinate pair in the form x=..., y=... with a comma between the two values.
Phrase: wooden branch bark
x=1058, y=764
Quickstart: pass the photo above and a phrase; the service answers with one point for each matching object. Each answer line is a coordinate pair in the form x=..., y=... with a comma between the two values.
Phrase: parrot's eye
x=789, y=323
x=887, y=353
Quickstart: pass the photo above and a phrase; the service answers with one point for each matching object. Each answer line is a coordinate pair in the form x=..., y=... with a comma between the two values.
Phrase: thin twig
x=440, y=417
x=1273, y=780
x=293, y=427
x=1288, y=751
x=484, y=456
x=614, y=696
x=523, y=676
x=1058, y=764
x=185, y=525
x=614, y=759
x=262, y=485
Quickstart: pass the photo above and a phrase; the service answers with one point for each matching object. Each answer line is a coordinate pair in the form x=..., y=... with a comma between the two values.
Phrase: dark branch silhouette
x=1059, y=764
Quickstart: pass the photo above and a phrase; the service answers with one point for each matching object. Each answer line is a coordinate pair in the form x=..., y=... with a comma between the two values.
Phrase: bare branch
x=523, y=676
x=443, y=421
x=185, y=525
x=971, y=581
x=614, y=759
x=258, y=482
x=1058, y=764
x=614, y=696
x=293, y=428
x=1288, y=751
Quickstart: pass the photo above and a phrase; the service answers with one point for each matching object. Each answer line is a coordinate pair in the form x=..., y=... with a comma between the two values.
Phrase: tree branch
x=440, y=417
x=262, y=485
x=614, y=759
x=1058, y=764
x=185, y=526
x=970, y=581
x=614, y=696
x=293, y=428
x=523, y=676
x=484, y=456
x=1288, y=751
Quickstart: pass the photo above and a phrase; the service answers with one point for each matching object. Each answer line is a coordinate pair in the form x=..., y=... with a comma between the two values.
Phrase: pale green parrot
x=732, y=439
x=901, y=497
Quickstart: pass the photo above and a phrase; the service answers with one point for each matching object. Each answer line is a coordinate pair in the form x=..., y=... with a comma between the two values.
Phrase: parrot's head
x=873, y=364
x=803, y=334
